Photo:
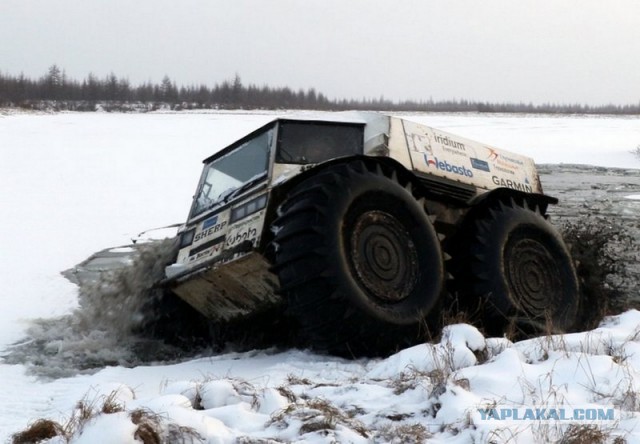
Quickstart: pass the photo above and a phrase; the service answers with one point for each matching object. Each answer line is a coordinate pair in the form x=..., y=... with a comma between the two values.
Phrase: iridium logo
x=446, y=166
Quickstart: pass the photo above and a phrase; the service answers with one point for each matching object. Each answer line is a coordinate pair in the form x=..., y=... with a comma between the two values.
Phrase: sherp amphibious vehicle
x=364, y=228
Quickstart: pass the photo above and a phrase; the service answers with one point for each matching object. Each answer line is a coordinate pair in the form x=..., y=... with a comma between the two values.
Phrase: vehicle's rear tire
x=358, y=260
x=519, y=273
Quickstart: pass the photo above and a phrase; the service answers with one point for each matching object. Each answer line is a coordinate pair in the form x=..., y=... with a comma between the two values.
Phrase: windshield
x=228, y=175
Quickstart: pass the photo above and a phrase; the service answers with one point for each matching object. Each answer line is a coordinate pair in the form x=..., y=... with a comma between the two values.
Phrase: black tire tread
x=327, y=321
x=477, y=278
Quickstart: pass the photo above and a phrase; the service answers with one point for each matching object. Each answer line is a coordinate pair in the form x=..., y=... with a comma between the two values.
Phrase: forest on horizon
x=56, y=91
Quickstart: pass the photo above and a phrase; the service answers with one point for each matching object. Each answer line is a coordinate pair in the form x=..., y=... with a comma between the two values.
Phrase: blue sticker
x=480, y=164
x=210, y=222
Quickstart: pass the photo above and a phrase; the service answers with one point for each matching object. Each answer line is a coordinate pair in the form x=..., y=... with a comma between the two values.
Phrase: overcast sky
x=562, y=51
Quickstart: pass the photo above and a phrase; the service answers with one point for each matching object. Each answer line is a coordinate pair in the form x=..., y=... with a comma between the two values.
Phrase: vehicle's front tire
x=358, y=260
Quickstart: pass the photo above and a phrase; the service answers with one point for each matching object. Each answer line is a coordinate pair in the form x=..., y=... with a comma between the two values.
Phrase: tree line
x=55, y=90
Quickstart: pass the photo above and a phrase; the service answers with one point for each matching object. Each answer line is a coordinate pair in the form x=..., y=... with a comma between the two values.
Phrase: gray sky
x=562, y=51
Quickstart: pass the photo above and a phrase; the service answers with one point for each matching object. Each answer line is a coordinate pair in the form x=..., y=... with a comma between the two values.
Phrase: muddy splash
x=117, y=321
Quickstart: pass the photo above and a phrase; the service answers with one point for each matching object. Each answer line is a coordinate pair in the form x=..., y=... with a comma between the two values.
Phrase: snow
x=73, y=184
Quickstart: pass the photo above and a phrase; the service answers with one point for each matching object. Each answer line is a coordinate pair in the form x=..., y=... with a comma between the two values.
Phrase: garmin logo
x=446, y=166
x=514, y=185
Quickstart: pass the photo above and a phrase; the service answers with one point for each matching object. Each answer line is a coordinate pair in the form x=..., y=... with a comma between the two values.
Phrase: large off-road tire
x=519, y=272
x=358, y=260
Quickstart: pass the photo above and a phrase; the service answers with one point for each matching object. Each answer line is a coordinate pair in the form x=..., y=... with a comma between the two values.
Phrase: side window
x=314, y=142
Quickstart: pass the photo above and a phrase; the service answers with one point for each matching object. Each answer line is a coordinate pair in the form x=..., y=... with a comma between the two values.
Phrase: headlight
x=187, y=238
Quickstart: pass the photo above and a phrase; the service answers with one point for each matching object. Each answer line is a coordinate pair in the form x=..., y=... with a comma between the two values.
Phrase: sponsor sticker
x=210, y=222
x=207, y=249
x=449, y=142
x=248, y=233
x=513, y=184
x=480, y=164
x=209, y=229
x=249, y=229
x=433, y=162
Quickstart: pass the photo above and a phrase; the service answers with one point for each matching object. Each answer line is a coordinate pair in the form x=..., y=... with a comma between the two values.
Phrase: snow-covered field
x=73, y=184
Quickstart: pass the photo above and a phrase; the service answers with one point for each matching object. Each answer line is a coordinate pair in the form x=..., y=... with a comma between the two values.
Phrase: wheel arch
x=383, y=165
x=534, y=201
x=387, y=164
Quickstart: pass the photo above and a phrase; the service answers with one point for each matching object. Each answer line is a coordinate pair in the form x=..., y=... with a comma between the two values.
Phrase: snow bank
x=430, y=391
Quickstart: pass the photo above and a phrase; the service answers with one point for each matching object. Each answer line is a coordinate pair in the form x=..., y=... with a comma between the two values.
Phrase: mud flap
x=236, y=289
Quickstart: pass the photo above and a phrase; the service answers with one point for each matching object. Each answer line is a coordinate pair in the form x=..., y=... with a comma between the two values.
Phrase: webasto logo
x=446, y=166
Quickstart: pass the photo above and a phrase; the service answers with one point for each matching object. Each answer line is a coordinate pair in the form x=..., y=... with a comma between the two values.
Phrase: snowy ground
x=73, y=184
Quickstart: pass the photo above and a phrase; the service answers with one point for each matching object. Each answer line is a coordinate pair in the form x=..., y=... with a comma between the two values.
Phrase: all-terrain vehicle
x=364, y=228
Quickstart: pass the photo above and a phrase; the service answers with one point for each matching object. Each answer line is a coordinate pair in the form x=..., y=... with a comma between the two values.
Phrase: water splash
x=121, y=320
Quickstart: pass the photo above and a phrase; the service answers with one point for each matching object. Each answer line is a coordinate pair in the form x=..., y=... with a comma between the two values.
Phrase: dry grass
x=250, y=440
x=83, y=412
x=111, y=404
x=40, y=430
x=148, y=426
x=408, y=379
x=154, y=429
x=295, y=380
x=151, y=427
x=403, y=434
x=287, y=393
x=245, y=390
x=317, y=415
x=584, y=434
